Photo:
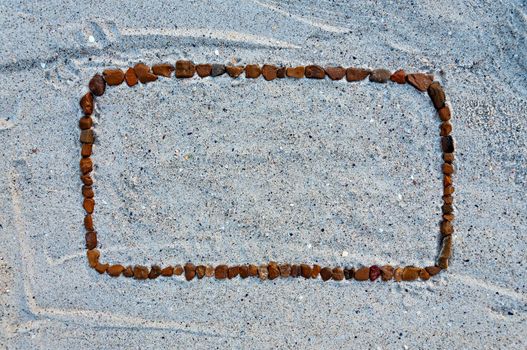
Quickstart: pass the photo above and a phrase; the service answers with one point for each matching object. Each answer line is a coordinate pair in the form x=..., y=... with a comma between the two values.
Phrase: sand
x=223, y=171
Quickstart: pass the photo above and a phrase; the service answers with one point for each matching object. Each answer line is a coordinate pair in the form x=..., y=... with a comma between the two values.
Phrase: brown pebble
x=140, y=272
x=130, y=77
x=209, y=271
x=269, y=72
x=315, y=72
x=305, y=270
x=348, y=273
x=362, y=274
x=155, y=272
x=87, y=180
x=89, y=205
x=281, y=72
x=335, y=73
x=86, y=165
x=244, y=271
x=448, y=199
x=444, y=114
x=447, y=208
x=447, y=191
x=420, y=81
x=274, y=270
x=448, y=168
x=446, y=249
x=398, y=274
x=252, y=71
x=101, y=268
x=97, y=85
x=410, y=273
x=91, y=239
x=386, y=272
x=87, y=136
x=87, y=191
x=449, y=217
x=163, y=69
x=380, y=75
x=88, y=222
x=253, y=270
x=234, y=71
x=447, y=180
x=399, y=77
x=448, y=157
x=204, y=70
x=375, y=272
x=356, y=74
x=115, y=270
x=85, y=123
x=144, y=74
x=93, y=257
x=443, y=263
x=221, y=272
x=445, y=129
x=263, y=272
x=128, y=272
x=424, y=275
x=326, y=273
x=315, y=271
x=285, y=270
x=113, y=76
x=178, y=270
x=446, y=228
x=87, y=104
x=233, y=271
x=167, y=271
x=190, y=271
x=217, y=69
x=433, y=270
x=200, y=271
x=338, y=273
x=437, y=95
x=447, y=144
x=295, y=72
x=295, y=270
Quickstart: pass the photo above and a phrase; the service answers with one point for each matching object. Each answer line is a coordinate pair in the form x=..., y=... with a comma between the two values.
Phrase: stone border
x=187, y=69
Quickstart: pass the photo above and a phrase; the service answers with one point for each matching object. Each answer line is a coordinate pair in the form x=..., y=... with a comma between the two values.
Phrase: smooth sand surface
x=240, y=171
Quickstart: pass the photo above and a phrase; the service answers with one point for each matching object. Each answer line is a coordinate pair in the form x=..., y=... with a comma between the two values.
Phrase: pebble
x=93, y=257
x=87, y=136
x=163, y=69
x=295, y=271
x=296, y=72
x=97, y=85
x=437, y=95
x=128, y=271
x=190, y=271
x=274, y=270
x=315, y=72
x=448, y=191
x=253, y=270
x=252, y=71
x=204, y=70
x=448, y=168
x=356, y=74
x=386, y=272
x=399, y=77
x=143, y=73
x=263, y=272
x=244, y=271
x=398, y=274
x=446, y=250
x=140, y=272
x=217, y=69
x=447, y=144
x=234, y=71
x=433, y=270
x=167, y=271
x=281, y=72
x=178, y=270
x=85, y=123
x=269, y=72
x=200, y=271
x=338, y=273
x=87, y=180
x=87, y=191
x=445, y=114
x=375, y=272
x=86, y=165
x=101, y=268
x=233, y=272
x=155, y=272
x=410, y=273
x=348, y=273
x=113, y=76
x=448, y=157
x=326, y=273
x=449, y=217
x=447, y=181
x=315, y=271
x=221, y=272
x=305, y=270
x=335, y=73
x=447, y=208
x=89, y=205
x=420, y=81
x=209, y=271
x=88, y=222
x=448, y=199
x=285, y=270
x=362, y=274
x=130, y=77
x=442, y=262
x=184, y=69
x=424, y=275
x=446, y=228
x=445, y=129
x=115, y=270
x=380, y=75
x=91, y=239
x=86, y=103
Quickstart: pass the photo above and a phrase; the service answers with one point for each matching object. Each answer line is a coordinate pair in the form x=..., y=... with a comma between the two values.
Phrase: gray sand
x=223, y=171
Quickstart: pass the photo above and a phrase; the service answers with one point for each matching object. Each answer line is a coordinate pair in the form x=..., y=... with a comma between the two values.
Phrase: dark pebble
x=315, y=72
x=217, y=69
x=97, y=85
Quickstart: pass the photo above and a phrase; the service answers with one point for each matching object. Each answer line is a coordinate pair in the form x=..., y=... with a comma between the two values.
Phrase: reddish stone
x=375, y=272
x=87, y=104
x=93, y=257
x=130, y=77
x=269, y=72
x=362, y=274
x=253, y=270
x=143, y=73
x=115, y=270
x=437, y=95
x=91, y=239
x=190, y=271
x=315, y=72
x=221, y=272
x=184, y=69
x=86, y=165
x=113, y=76
x=315, y=271
x=89, y=205
x=444, y=113
x=326, y=273
x=274, y=270
x=178, y=270
x=97, y=85
x=140, y=272
x=420, y=81
x=285, y=270
x=386, y=272
x=128, y=272
x=305, y=270
x=87, y=136
x=234, y=71
x=252, y=71
x=88, y=222
x=295, y=72
x=399, y=77
x=281, y=72
x=101, y=268
x=85, y=123
x=338, y=273
x=87, y=180
x=163, y=69
x=244, y=271
x=433, y=270
x=204, y=70
x=200, y=271
x=410, y=273
x=87, y=191
x=155, y=272
x=167, y=271
x=335, y=73
x=233, y=272
x=356, y=74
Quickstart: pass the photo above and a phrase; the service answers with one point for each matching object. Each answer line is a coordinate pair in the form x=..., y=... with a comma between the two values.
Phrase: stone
x=93, y=257
x=356, y=74
x=209, y=271
x=348, y=273
x=128, y=272
x=448, y=199
x=253, y=270
x=91, y=239
x=314, y=72
x=101, y=268
x=448, y=168
x=113, y=76
x=200, y=271
x=437, y=95
x=234, y=71
x=97, y=85
x=204, y=70
x=399, y=77
x=433, y=270
x=221, y=272
x=252, y=71
x=163, y=69
x=269, y=72
x=274, y=270
x=447, y=144
x=315, y=271
x=87, y=180
x=233, y=271
x=447, y=191
x=167, y=271
x=380, y=75
x=87, y=136
x=410, y=273
x=446, y=249
x=398, y=274
x=446, y=228
x=375, y=272
x=386, y=272
x=178, y=270
x=447, y=180
x=445, y=128
x=362, y=274
x=155, y=272
x=88, y=222
x=420, y=81
x=88, y=205
x=190, y=271
x=305, y=270
x=444, y=114
x=449, y=217
x=115, y=270
x=285, y=270
x=86, y=165
x=87, y=104
x=295, y=72
x=443, y=263
x=263, y=272
x=85, y=123
x=184, y=69
x=281, y=72
x=326, y=273
x=448, y=157
x=140, y=272
x=335, y=73
x=424, y=275
x=143, y=73
x=338, y=273
x=217, y=69
x=130, y=77
x=87, y=191
x=447, y=208
x=244, y=271
x=295, y=271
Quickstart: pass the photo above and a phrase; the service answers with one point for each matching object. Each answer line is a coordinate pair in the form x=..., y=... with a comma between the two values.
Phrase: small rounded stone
x=144, y=74
x=314, y=72
x=85, y=123
x=234, y=71
x=155, y=272
x=433, y=270
x=362, y=274
x=315, y=271
x=97, y=85
x=86, y=165
x=217, y=69
x=386, y=272
x=113, y=76
x=115, y=270
x=269, y=72
x=420, y=81
x=233, y=271
x=163, y=69
x=447, y=181
x=410, y=273
x=305, y=270
x=93, y=257
x=285, y=270
x=337, y=273
x=221, y=272
x=424, y=275
x=448, y=157
x=335, y=73
x=398, y=274
x=253, y=270
x=203, y=70
x=128, y=272
x=326, y=273
x=167, y=271
x=295, y=72
x=445, y=129
x=190, y=271
x=87, y=180
x=295, y=270
x=375, y=272
x=444, y=113
x=130, y=77
x=448, y=199
x=185, y=69
x=380, y=75
x=87, y=136
x=447, y=144
x=101, y=268
x=448, y=169
x=244, y=271
x=263, y=272
x=447, y=191
x=88, y=222
x=281, y=72
x=88, y=205
x=274, y=270
x=446, y=228
x=449, y=217
x=437, y=95
x=357, y=74
x=91, y=239
x=348, y=273
x=209, y=271
x=252, y=71
x=447, y=208
x=399, y=77
x=200, y=271
x=87, y=103
x=87, y=191
x=178, y=270
x=140, y=272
